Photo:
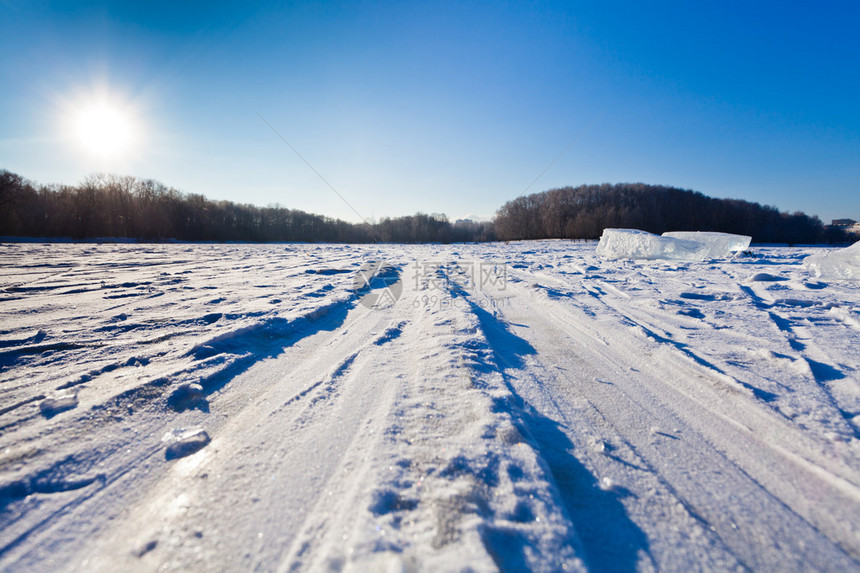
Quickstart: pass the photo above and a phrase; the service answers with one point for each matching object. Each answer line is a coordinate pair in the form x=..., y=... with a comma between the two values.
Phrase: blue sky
x=450, y=107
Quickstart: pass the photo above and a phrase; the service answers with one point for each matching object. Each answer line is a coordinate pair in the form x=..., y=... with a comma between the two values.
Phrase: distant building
x=847, y=226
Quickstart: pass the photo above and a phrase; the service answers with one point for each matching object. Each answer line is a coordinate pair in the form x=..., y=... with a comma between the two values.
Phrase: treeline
x=143, y=209
x=583, y=212
x=126, y=207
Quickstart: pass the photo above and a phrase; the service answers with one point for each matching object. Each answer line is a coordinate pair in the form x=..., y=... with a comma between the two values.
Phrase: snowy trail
x=111, y=447
x=491, y=407
x=716, y=471
x=312, y=447
x=286, y=408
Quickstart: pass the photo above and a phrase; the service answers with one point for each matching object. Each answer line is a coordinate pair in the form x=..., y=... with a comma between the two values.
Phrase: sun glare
x=102, y=126
x=104, y=130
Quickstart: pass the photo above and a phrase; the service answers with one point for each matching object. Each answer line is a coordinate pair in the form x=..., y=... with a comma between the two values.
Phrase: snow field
x=494, y=407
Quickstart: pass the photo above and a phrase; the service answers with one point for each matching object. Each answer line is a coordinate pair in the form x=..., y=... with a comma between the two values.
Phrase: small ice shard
x=185, y=442
x=840, y=264
x=146, y=548
x=185, y=396
x=57, y=402
x=608, y=484
x=600, y=446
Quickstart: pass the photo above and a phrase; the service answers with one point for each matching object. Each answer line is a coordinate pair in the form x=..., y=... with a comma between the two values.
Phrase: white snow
x=533, y=406
x=839, y=264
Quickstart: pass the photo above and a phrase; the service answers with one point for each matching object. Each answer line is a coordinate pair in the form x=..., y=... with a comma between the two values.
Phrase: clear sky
x=451, y=107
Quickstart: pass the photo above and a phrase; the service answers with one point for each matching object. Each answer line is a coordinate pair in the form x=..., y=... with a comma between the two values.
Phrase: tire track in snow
x=818, y=366
x=610, y=539
x=405, y=440
x=459, y=486
x=623, y=409
x=826, y=397
x=276, y=413
x=141, y=408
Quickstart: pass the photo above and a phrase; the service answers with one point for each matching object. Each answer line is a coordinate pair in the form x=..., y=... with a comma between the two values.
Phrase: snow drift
x=684, y=246
x=841, y=264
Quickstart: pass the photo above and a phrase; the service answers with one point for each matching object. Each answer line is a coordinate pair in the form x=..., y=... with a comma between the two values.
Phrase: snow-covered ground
x=528, y=406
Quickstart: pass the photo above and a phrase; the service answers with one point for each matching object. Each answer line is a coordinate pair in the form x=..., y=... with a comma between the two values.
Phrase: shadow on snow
x=610, y=539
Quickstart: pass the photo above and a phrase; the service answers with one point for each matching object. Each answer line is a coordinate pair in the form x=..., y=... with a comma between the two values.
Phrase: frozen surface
x=839, y=264
x=532, y=406
x=715, y=245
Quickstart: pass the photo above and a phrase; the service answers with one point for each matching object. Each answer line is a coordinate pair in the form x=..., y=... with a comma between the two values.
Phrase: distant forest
x=110, y=206
x=583, y=212
x=125, y=207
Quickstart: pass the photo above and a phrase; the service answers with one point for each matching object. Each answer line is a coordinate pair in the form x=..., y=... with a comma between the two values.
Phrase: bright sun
x=104, y=130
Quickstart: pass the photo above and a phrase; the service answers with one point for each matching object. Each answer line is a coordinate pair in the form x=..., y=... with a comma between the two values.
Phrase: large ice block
x=635, y=244
x=717, y=245
x=677, y=246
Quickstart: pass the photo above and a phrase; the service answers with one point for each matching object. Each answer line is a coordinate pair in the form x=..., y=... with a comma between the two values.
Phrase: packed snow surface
x=839, y=264
x=532, y=406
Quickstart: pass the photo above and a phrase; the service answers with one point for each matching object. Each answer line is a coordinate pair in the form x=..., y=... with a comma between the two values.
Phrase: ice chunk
x=57, y=402
x=841, y=264
x=676, y=245
x=184, y=442
x=634, y=244
x=717, y=245
x=186, y=396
